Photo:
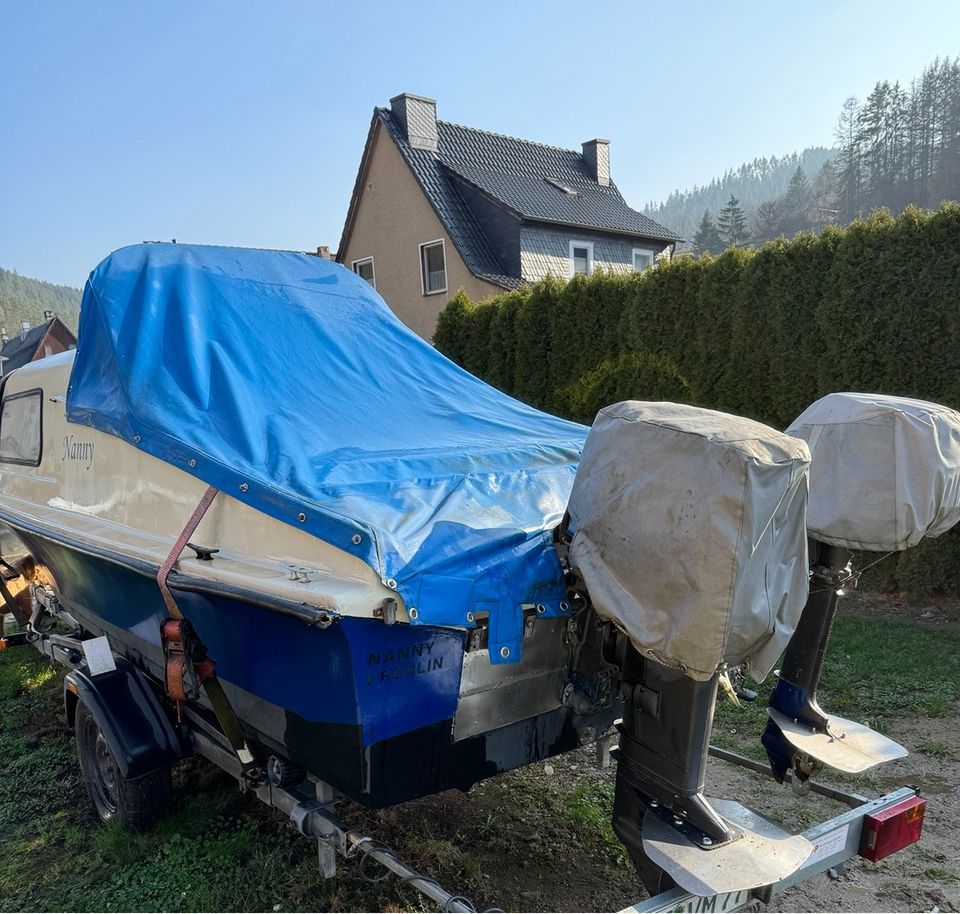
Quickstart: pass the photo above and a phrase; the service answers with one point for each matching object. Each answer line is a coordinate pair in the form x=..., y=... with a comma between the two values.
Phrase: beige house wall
x=392, y=219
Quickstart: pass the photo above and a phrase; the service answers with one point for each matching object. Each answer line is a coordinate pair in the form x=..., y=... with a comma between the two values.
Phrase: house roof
x=513, y=174
x=19, y=352
x=516, y=172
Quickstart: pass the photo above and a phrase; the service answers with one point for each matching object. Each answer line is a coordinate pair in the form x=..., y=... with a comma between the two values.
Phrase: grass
x=220, y=850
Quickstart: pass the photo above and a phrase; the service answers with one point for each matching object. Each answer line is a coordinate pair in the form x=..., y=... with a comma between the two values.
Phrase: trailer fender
x=127, y=710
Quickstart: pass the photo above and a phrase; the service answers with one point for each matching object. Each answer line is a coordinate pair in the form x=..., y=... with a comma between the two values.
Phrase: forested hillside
x=752, y=183
x=900, y=146
x=22, y=298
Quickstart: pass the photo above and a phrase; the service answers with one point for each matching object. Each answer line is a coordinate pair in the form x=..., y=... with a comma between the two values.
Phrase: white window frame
x=582, y=244
x=423, y=266
x=373, y=269
x=651, y=254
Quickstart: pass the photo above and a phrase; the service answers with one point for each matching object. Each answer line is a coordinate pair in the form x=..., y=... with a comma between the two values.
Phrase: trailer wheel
x=133, y=803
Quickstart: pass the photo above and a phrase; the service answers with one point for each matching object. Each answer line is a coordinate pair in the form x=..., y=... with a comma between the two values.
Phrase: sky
x=243, y=123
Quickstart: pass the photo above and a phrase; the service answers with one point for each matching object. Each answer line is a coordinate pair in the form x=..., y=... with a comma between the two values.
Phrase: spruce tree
x=795, y=205
x=708, y=239
x=732, y=223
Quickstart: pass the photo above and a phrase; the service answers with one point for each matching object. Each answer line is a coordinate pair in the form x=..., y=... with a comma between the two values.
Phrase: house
x=32, y=343
x=438, y=206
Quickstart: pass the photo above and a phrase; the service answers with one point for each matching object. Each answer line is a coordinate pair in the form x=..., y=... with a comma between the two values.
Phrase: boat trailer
x=868, y=828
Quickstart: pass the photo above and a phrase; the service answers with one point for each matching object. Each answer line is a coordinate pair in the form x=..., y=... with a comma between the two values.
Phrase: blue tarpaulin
x=289, y=374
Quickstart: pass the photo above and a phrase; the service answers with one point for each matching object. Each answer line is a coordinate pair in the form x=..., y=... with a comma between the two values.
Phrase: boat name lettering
x=80, y=451
x=401, y=662
x=381, y=658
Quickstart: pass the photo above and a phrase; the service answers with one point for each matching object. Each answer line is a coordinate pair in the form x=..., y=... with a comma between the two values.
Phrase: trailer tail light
x=892, y=829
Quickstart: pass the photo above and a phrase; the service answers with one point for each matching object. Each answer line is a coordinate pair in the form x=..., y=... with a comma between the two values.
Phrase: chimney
x=596, y=153
x=48, y=315
x=323, y=251
x=4, y=336
x=24, y=329
x=417, y=117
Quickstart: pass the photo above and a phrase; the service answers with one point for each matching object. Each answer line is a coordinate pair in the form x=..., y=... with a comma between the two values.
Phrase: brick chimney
x=323, y=251
x=417, y=117
x=596, y=153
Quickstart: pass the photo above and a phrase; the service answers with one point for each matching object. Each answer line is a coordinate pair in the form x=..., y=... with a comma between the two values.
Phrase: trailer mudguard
x=127, y=710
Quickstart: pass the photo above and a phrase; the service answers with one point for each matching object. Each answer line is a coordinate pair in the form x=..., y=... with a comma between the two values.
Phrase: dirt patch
x=520, y=841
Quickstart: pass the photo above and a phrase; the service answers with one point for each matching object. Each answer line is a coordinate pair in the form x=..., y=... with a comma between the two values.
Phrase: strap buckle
x=186, y=662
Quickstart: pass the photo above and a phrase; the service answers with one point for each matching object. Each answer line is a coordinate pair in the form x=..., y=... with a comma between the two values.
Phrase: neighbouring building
x=32, y=343
x=438, y=206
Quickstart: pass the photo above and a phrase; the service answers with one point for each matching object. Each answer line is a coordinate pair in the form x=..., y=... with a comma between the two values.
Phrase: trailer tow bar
x=310, y=808
x=316, y=818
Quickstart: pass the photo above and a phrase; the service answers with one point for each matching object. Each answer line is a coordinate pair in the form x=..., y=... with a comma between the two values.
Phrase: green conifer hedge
x=760, y=332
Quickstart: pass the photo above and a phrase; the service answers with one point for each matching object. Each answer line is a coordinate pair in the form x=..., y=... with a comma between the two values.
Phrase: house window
x=20, y=428
x=364, y=269
x=581, y=257
x=642, y=259
x=433, y=267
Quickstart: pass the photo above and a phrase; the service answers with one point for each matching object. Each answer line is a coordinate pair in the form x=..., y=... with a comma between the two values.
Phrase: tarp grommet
x=356, y=539
x=504, y=652
x=244, y=487
x=413, y=612
x=301, y=517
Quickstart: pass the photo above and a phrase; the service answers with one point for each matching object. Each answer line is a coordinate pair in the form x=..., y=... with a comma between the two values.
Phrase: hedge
x=760, y=332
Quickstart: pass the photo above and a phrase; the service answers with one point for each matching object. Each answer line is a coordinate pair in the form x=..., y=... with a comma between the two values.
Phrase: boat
x=337, y=578
x=279, y=529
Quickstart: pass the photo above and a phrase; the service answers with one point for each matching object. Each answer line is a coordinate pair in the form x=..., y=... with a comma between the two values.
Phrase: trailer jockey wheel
x=133, y=803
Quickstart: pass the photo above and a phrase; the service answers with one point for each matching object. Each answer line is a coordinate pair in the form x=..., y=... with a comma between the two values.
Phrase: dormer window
x=559, y=185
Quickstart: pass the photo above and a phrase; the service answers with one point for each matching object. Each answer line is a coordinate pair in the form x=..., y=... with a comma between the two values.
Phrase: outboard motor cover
x=885, y=473
x=689, y=531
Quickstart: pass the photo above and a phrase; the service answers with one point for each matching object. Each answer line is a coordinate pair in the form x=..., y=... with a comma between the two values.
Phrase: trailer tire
x=133, y=803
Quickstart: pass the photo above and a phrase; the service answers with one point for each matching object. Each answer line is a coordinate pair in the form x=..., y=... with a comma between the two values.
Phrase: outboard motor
x=687, y=528
x=885, y=474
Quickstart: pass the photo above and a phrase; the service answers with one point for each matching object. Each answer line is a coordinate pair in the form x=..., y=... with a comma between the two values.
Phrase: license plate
x=728, y=901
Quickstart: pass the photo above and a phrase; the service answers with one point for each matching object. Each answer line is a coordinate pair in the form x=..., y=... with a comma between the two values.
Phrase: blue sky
x=243, y=123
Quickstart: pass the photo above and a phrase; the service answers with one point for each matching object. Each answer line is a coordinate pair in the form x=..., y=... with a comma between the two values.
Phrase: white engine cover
x=689, y=530
x=885, y=471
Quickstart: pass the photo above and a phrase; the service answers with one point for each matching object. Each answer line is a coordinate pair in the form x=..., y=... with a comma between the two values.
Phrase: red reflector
x=892, y=829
